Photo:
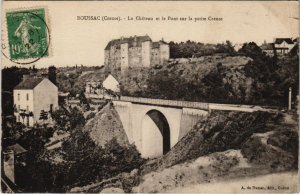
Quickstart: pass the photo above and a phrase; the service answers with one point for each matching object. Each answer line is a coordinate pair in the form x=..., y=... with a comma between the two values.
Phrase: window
x=18, y=97
x=18, y=119
x=19, y=107
x=27, y=96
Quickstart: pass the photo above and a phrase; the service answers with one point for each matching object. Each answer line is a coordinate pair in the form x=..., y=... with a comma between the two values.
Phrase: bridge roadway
x=183, y=104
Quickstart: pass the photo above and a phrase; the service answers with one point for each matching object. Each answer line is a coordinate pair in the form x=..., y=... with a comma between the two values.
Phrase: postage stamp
x=28, y=34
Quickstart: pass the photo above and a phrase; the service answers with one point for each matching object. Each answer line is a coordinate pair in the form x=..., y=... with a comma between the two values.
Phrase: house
x=32, y=97
x=283, y=45
x=237, y=47
x=137, y=51
x=268, y=48
x=104, y=88
x=110, y=83
x=13, y=154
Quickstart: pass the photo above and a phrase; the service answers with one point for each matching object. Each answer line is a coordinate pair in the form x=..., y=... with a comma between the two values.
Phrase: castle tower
x=164, y=51
x=146, y=53
x=124, y=56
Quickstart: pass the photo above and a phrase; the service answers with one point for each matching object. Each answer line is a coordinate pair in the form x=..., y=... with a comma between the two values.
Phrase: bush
x=94, y=163
x=68, y=120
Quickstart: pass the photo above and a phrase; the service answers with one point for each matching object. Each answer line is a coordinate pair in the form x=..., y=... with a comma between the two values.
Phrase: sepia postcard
x=150, y=96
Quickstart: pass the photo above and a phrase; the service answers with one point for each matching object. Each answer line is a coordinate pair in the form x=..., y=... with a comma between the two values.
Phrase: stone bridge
x=156, y=125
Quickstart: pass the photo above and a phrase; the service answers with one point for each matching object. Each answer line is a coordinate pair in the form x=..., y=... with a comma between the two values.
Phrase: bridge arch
x=156, y=139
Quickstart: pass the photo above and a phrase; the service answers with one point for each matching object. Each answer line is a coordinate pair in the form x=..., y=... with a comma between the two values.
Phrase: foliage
x=190, y=49
x=85, y=162
x=52, y=74
x=11, y=131
x=272, y=76
x=263, y=80
x=68, y=120
x=84, y=100
x=96, y=163
x=11, y=77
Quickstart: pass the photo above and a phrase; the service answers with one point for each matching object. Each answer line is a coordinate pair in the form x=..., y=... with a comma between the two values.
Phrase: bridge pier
x=189, y=118
x=124, y=111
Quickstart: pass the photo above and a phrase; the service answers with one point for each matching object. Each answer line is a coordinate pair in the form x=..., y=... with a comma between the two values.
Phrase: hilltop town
x=157, y=116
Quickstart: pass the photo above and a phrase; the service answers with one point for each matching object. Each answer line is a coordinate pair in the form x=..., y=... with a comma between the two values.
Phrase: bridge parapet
x=162, y=102
x=121, y=103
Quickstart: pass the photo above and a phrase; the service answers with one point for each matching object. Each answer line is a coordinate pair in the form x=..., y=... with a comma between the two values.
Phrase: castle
x=137, y=51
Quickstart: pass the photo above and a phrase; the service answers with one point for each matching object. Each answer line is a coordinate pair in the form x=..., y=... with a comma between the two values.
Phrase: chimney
x=265, y=42
x=162, y=39
x=134, y=37
x=122, y=37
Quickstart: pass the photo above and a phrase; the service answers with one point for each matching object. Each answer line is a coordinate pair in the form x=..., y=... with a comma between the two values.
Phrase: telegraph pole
x=290, y=99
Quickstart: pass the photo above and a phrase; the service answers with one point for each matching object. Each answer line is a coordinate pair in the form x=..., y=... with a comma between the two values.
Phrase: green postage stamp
x=28, y=34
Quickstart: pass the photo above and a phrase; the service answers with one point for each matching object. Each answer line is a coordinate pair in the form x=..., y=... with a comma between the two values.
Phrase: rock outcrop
x=106, y=125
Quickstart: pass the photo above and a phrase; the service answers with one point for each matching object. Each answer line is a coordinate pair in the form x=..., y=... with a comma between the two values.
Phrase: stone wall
x=135, y=56
x=115, y=59
x=124, y=56
x=155, y=56
x=164, y=53
x=146, y=53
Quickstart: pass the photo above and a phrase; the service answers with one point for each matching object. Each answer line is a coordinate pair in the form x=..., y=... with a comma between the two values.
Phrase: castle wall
x=115, y=58
x=124, y=56
x=135, y=56
x=164, y=53
x=155, y=56
x=107, y=59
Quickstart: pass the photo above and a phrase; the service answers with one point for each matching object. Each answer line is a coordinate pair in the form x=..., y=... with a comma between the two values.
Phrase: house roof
x=17, y=148
x=130, y=41
x=280, y=40
x=29, y=83
x=267, y=46
x=162, y=42
x=296, y=39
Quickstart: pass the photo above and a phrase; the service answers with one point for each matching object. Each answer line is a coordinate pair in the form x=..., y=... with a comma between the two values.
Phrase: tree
x=76, y=118
x=94, y=163
x=52, y=74
x=68, y=120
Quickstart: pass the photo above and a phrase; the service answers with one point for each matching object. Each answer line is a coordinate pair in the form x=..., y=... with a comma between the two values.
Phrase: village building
x=283, y=45
x=137, y=51
x=102, y=88
x=237, y=47
x=14, y=156
x=110, y=83
x=268, y=48
x=33, y=96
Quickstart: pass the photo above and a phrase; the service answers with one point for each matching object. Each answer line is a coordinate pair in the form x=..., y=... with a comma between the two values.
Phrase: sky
x=83, y=41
